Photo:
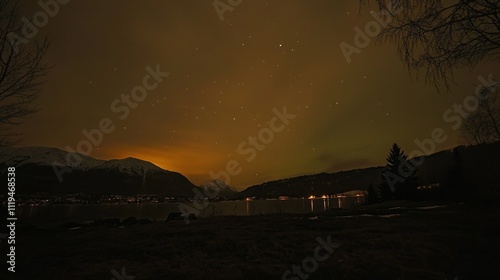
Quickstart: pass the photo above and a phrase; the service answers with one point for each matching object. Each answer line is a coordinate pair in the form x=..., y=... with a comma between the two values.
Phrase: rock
x=112, y=222
x=174, y=216
x=129, y=221
x=144, y=221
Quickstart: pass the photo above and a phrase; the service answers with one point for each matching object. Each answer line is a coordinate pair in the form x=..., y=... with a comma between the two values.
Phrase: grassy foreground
x=396, y=240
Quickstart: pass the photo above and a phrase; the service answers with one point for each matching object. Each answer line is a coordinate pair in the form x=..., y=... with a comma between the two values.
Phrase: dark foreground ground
x=396, y=240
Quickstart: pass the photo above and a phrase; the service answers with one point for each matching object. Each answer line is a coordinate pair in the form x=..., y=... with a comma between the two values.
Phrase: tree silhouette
x=483, y=125
x=441, y=36
x=398, y=179
x=21, y=71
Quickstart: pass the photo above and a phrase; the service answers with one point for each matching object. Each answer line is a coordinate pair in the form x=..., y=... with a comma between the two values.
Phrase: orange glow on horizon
x=193, y=162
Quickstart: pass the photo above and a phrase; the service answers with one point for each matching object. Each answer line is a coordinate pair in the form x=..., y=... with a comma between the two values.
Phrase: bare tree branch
x=22, y=71
x=442, y=36
x=482, y=125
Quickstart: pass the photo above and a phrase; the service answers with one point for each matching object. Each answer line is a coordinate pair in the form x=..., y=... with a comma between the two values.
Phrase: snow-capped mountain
x=220, y=188
x=129, y=165
x=45, y=156
x=43, y=169
x=56, y=157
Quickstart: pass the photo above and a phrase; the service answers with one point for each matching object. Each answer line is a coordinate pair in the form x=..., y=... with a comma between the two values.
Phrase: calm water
x=159, y=212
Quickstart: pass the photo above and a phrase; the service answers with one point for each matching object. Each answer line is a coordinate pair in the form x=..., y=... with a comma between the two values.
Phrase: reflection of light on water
x=56, y=213
x=32, y=211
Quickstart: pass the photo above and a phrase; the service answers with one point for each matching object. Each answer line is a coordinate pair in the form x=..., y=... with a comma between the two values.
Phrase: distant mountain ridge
x=35, y=172
x=477, y=166
x=130, y=165
x=315, y=184
x=42, y=156
x=53, y=156
x=220, y=188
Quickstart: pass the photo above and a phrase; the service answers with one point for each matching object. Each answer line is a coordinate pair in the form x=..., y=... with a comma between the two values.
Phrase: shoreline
x=429, y=243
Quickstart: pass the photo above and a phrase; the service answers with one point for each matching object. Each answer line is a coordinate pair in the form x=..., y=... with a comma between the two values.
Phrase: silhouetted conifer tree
x=398, y=179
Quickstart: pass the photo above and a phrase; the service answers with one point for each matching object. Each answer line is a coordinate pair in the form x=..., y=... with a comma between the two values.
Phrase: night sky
x=225, y=79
